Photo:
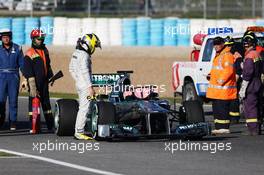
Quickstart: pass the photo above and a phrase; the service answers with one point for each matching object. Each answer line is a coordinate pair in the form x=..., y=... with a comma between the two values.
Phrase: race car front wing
x=196, y=130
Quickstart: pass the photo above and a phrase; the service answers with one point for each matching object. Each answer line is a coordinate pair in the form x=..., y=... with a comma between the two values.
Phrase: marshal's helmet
x=229, y=41
x=37, y=33
x=218, y=40
x=5, y=32
x=249, y=39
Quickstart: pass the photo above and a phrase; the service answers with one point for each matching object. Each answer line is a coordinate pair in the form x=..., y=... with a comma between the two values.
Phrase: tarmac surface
x=47, y=153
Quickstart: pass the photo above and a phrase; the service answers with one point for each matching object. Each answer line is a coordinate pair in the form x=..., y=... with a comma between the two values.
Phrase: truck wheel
x=102, y=113
x=193, y=112
x=65, y=116
x=189, y=92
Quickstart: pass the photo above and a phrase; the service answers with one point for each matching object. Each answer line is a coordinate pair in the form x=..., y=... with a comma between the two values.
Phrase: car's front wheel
x=102, y=113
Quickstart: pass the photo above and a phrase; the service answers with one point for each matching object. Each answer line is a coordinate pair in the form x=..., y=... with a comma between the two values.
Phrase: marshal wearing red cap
x=38, y=72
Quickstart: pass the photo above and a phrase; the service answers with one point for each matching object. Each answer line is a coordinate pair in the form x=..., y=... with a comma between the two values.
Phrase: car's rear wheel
x=65, y=116
x=194, y=112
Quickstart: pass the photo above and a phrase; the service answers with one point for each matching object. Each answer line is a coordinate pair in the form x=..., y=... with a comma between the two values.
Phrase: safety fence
x=141, y=31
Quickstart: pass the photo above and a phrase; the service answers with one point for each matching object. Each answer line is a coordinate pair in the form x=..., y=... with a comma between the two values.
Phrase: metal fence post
x=253, y=8
x=55, y=4
x=32, y=9
x=218, y=8
x=262, y=9
x=146, y=7
x=205, y=9
x=89, y=8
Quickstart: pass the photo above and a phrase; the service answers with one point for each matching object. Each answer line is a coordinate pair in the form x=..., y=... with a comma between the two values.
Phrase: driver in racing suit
x=80, y=70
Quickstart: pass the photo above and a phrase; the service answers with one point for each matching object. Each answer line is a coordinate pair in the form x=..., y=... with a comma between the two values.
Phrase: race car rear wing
x=109, y=79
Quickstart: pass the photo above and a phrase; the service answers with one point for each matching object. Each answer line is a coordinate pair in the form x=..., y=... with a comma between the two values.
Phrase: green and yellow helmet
x=229, y=41
x=89, y=42
x=249, y=39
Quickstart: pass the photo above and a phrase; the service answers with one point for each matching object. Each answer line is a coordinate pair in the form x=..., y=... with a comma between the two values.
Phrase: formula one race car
x=131, y=112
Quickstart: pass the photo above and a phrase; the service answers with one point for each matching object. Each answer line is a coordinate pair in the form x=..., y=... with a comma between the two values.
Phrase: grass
x=3, y=154
x=171, y=99
x=75, y=96
x=55, y=95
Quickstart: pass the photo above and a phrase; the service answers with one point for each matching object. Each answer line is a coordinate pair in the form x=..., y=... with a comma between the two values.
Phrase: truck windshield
x=208, y=49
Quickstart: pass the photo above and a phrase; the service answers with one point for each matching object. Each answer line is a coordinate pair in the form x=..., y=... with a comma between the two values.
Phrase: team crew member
x=238, y=52
x=260, y=50
x=11, y=60
x=251, y=87
x=222, y=86
x=81, y=70
x=234, y=105
x=37, y=70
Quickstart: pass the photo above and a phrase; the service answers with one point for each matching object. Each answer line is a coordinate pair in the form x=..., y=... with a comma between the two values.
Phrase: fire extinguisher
x=35, y=115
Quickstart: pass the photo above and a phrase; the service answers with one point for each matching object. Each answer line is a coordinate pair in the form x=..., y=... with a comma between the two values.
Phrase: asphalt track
x=149, y=157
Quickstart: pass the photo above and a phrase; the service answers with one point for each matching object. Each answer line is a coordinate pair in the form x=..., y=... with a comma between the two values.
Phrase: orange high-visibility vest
x=35, y=53
x=222, y=83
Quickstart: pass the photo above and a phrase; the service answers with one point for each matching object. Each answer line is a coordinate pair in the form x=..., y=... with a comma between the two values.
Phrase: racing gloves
x=243, y=89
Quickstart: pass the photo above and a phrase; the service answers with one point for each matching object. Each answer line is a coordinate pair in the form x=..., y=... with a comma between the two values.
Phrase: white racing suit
x=80, y=70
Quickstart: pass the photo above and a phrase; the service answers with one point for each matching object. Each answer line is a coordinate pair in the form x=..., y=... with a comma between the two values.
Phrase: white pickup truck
x=189, y=78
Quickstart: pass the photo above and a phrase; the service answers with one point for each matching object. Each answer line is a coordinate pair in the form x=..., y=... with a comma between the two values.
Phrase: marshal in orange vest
x=222, y=85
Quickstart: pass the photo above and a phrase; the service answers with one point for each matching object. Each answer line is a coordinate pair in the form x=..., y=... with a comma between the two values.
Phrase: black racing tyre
x=189, y=92
x=193, y=112
x=106, y=113
x=65, y=116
